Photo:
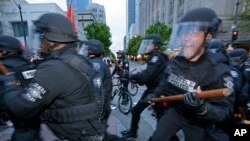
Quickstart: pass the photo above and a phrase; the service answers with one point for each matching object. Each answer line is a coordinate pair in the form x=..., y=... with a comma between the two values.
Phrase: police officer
x=122, y=70
x=194, y=70
x=216, y=46
x=238, y=57
x=61, y=90
x=93, y=49
x=11, y=57
x=150, y=77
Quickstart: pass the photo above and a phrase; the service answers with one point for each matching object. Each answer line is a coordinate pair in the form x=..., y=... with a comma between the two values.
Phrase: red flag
x=70, y=16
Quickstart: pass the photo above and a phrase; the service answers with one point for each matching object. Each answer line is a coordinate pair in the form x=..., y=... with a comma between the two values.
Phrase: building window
x=94, y=10
x=100, y=15
x=20, y=29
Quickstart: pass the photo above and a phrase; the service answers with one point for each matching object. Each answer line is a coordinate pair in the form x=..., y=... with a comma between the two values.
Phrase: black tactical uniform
x=124, y=65
x=24, y=71
x=180, y=76
x=216, y=46
x=237, y=58
x=61, y=90
x=192, y=70
x=150, y=77
x=103, y=80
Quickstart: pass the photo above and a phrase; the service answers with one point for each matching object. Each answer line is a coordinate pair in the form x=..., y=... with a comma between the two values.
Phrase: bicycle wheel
x=132, y=89
x=125, y=103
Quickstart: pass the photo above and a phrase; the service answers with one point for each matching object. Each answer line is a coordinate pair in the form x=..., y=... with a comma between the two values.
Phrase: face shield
x=34, y=42
x=83, y=50
x=188, y=38
x=146, y=46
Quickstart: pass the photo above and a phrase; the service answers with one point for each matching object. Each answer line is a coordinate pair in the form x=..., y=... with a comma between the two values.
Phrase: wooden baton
x=203, y=95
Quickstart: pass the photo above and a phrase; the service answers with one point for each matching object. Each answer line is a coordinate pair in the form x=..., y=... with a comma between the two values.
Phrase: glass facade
x=131, y=13
x=79, y=5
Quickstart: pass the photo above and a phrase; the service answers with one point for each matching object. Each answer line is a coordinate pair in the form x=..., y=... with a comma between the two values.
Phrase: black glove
x=148, y=98
x=192, y=100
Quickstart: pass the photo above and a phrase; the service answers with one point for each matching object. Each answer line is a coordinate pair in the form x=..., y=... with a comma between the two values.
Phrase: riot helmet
x=50, y=31
x=206, y=15
x=195, y=28
x=150, y=43
x=120, y=54
x=10, y=44
x=237, y=57
x=217, y=46
x=92, y=47
x=56, y=27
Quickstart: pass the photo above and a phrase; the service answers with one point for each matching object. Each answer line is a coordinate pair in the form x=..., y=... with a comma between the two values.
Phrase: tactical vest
x=77, y=113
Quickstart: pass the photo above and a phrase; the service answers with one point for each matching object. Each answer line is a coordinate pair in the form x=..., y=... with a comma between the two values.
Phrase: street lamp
x=20, y=11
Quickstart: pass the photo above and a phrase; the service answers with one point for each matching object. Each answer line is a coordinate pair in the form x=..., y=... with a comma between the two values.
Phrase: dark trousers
x=138, y=109
x=171, y=122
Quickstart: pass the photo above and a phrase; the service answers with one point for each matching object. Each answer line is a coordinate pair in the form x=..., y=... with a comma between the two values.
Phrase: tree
x=161, y=29
x=134, y=45
x=99, y=31
x=245, y=18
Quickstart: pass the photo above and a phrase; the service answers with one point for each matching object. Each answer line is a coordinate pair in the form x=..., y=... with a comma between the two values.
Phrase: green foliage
x=99, y=31
x=245, y=17
x=134, y=45
x=160, y=28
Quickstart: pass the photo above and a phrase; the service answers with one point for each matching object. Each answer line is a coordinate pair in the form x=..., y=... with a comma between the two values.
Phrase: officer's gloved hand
x=192, y=100
x=148, y=98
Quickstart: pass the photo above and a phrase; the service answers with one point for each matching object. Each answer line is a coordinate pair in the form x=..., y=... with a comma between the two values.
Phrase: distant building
x=79, y=5
x=83, y=19
x=171, y=11
x=130, y=18
x=10, y=21
x=98, y=11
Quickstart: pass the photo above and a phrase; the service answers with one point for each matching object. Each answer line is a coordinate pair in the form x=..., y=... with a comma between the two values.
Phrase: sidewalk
x=115, y=127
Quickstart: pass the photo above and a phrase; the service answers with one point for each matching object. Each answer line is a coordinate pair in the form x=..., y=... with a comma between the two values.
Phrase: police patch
x=34, y=92
x=97, y=82
x=234, y=74
x=228, y=83
x=154, y=59
x=28, y=74
x=181, y=82
x=96, y=66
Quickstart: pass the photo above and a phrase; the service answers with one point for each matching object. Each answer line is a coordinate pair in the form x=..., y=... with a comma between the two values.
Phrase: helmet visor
x=188, y=37
x=83, y=50
x=146, y=46
x=34, y=42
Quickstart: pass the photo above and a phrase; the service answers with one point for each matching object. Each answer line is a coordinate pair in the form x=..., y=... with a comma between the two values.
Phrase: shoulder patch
x=228, y=83
x=34, y=92
x=154, y=59
x=96, y=66
x=234, y=74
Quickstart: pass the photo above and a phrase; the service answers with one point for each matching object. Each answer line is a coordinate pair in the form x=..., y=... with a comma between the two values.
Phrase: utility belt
x=71, y=114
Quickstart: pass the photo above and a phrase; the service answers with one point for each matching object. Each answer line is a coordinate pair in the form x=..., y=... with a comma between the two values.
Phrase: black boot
x=129, y=134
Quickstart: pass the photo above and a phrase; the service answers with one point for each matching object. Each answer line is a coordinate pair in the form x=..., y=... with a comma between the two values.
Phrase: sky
x=115, y=18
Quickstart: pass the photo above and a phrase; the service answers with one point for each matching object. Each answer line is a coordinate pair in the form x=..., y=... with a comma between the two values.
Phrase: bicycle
x=132, y=86
x=124, y=99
